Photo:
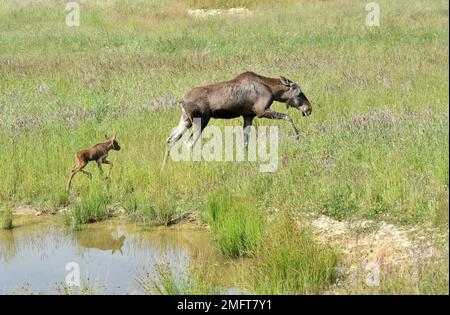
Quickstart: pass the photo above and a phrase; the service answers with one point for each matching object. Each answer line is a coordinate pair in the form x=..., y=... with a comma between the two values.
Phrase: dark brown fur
x=248, y=95
x=98, y=153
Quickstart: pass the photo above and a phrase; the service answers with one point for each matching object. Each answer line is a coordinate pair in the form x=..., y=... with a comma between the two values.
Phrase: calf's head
x=114, y=144
x=294, y=97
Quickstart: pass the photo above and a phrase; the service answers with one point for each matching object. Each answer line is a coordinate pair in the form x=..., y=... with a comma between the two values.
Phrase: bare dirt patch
x=199, y=13
x=366, y=243
x=26, y=210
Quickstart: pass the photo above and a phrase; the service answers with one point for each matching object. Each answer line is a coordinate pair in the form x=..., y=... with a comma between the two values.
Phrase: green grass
x=290, y=261
x=159, y=207
x=236, y=225
x=93, y=207
x=167, y=281
x=6, y=217
x=376, y=146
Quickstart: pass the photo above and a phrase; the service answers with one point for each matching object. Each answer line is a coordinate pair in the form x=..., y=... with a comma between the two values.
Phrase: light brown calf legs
x=75, y=169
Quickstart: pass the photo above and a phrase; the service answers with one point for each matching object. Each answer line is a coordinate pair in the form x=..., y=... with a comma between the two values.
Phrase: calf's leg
x=77, y=168
x=99, y=164
x=105, y=161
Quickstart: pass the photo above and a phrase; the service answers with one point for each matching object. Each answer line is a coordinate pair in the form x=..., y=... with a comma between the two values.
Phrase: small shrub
x=377, y=208
x=290, y=262
x=236, y=225
x=6, y=218
x=164, y=211
x=138, y=208
x=92, y=208
x=160, y=209
x=60, y=199
x=167, y=281
x=340, y=204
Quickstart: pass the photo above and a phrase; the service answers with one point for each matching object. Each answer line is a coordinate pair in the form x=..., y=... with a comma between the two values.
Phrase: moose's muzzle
x=305, y=106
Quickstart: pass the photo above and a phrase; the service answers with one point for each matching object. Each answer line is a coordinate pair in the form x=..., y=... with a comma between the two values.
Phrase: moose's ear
x=113, y=138
x=295, y=87
x=285, y=81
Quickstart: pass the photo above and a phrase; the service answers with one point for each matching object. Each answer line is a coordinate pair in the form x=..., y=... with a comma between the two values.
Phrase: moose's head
x=294, y=97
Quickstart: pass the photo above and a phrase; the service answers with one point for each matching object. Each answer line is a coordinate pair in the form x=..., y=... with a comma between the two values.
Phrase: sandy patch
x=199, y=13
x=26, y=210
x=365, y=243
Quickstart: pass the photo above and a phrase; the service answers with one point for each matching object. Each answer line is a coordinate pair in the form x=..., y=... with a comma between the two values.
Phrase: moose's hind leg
x=199, y=123
x=176, y=134
x=184, y=124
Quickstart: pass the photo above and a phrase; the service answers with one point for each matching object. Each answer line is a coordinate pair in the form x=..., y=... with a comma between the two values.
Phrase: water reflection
x=112, y=253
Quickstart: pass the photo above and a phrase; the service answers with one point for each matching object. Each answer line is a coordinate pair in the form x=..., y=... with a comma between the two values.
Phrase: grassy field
x=376, y=146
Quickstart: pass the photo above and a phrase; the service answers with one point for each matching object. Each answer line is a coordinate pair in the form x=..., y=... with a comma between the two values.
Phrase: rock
x=90, y=79
x=44, y=88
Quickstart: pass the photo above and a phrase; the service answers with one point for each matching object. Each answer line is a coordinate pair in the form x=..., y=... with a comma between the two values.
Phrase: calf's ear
x=285, y=81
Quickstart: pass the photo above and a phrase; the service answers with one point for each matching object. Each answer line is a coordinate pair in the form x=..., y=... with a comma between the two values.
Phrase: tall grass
x=236, y=224
x=153, y=208
x=290, y=261
x=6, y=217
x=94, y=206
x=376, y=146
x=379, y=126
x=167, y=281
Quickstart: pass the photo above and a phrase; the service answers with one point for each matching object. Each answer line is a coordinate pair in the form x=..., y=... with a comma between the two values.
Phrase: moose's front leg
x=248, y=121
x=276, y=115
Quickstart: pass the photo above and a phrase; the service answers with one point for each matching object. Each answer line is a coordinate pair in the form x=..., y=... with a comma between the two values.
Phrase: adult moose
x=248, y=95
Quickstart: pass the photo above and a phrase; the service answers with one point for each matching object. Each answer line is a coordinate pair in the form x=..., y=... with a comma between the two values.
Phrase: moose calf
x=98, y=153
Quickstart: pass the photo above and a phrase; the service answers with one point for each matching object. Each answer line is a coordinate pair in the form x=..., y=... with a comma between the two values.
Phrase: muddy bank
x=118, y=212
